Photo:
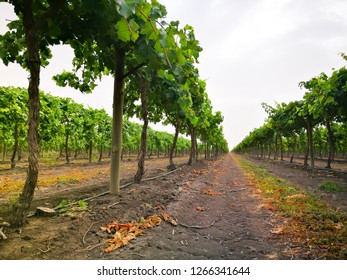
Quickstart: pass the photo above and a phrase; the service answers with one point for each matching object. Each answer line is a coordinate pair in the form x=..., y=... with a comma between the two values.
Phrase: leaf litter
x=210, y=192
x=122, y=233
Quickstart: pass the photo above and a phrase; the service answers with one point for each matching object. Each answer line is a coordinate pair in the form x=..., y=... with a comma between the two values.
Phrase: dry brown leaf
x=295, y=196
x=151, y=221
x=159, y=206
x=120, y=239
x=201, y=171
x=168, y=218
x=272, y=256
x=105, y=229
x=122, y=234
x=279, y=230
x=210, y=192
x=339, y=226
x=266, y=206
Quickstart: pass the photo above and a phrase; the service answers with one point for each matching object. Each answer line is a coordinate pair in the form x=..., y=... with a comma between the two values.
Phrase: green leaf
x=134, y=27
x=158, y=10
x=194, y=121
x=330, y=100
x=180, y=58
x=126, y=8
x=123, y=30
x=149, y=31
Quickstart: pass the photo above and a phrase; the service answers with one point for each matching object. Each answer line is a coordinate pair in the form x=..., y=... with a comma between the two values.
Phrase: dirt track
x=214, y=204
x=224, y=225
x=230, y=227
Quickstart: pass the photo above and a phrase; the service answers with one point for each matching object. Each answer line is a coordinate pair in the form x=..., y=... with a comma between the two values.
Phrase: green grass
x=332, y=187
x=65, y=181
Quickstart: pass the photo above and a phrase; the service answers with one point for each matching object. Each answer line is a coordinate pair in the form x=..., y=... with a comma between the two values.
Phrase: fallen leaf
x=122, y=234
x=277, y=231
x=210, y=192
x=149, y=206
x=159, y=206
x=266, y=206
x=295, y=196
x=200, y=209
x=169, y=219
x=339, y=226
x=272, y=256
x=151, y=221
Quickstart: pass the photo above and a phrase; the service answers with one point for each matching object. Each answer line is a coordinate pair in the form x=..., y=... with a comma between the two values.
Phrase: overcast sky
x=254, y=51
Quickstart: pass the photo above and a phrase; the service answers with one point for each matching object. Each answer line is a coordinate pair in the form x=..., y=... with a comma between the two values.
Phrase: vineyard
x=312, y=128
x=77, y=183
x=145, y=55
x=69, y=131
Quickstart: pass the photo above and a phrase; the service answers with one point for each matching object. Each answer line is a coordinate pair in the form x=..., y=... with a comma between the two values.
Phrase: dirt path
x=213, y=203
x=230, y=227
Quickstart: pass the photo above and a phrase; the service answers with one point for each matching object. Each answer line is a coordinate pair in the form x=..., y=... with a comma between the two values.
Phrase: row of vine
x=311, y=128
x=69, y=129
x=151, y=60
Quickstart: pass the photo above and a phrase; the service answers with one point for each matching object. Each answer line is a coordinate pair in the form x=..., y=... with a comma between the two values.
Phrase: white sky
x=254, y=51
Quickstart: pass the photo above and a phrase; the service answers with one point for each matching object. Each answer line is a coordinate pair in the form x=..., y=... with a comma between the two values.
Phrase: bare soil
x=213, y=202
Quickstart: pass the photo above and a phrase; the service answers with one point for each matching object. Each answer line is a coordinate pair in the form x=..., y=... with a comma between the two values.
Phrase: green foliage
x=321, y=113
x=332, y=187
x=62, y=206
x=97, y=31
x=59, y=116
x=82, y=206
x=66, y=206
x=66, y=181
x=13, y=200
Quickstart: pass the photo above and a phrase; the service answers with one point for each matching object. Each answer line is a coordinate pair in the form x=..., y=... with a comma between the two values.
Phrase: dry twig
x=44, y=251
x=85, y=234
x=237, y=190
x=2, y=234
x=197, y=227
x=90, y=248
x=116, y=203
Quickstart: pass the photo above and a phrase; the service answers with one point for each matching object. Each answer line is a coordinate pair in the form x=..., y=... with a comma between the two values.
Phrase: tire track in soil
x=231, y=226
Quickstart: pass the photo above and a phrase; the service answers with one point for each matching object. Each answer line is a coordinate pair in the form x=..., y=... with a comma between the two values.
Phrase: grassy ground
x=304, y=218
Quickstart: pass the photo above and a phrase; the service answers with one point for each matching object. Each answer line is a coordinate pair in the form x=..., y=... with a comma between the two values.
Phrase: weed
x=73, y=181
x=65, y=206
x=62, y=206
x=332, y=187
x=62, y=181
x=13, y=200
x=67, y=180
x=82, y=206
x=10, y=185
